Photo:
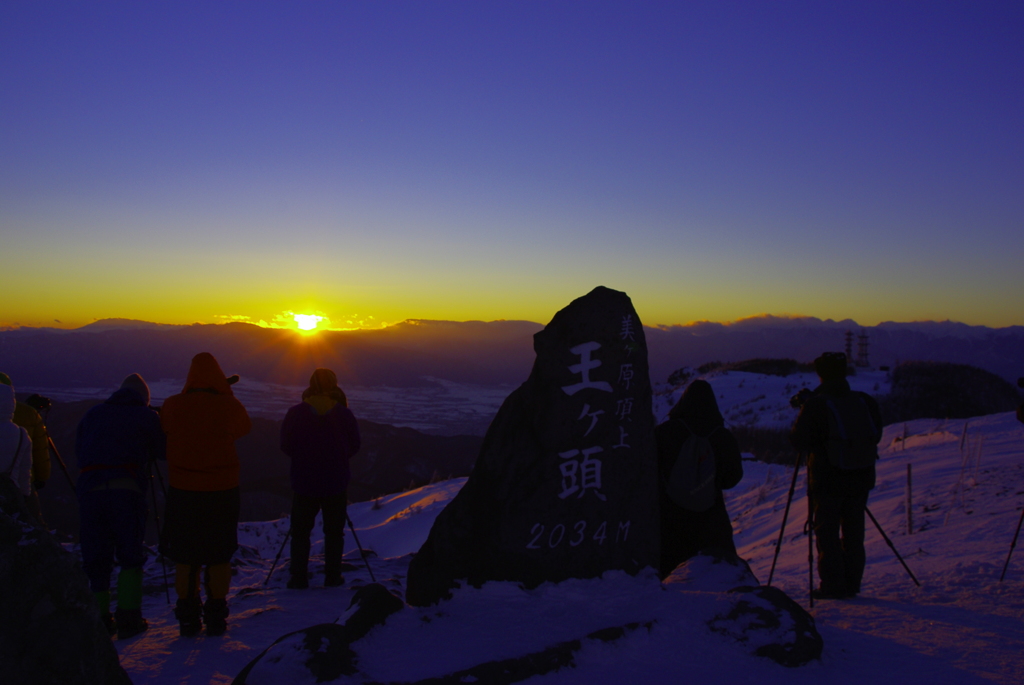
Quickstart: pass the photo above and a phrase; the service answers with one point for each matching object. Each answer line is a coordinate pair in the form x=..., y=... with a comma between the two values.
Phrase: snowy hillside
x=754, y=399
x=961, y=626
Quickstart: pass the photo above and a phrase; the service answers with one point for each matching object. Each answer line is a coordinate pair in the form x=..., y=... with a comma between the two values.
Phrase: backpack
x=852, y=434
x=691, y=484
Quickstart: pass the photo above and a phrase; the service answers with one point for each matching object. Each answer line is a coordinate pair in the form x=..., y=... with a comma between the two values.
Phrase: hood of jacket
x=205, y=373
x=7, y=402
x=126, y=396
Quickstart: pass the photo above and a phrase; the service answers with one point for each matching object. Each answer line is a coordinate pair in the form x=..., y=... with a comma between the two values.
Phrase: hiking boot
x=189, y=615
x=333, y=580
x=298, y=583
x=216, y=614
x=130, y=623
x=109, y=623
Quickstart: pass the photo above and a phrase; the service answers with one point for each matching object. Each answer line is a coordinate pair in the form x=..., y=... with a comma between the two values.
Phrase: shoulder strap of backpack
x=867, y=409
x=698, y=435
x=17, y=452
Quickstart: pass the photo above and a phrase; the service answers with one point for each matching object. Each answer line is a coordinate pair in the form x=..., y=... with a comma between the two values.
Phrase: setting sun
x=307, y=322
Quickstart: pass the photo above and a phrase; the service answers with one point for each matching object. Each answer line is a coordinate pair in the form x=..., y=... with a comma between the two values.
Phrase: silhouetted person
x=320, y=436
x=684, y=530
x=30, y=419
x=839, y=429
x=114, y=444
x=201, y=519
x=15, y=444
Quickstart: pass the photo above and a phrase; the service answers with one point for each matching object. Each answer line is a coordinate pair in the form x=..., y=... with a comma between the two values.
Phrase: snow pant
x=200, y=527
x=304, y=511
x=684, y=533
x=839, y=531
x=217, y=580
x=112, y=520
x=113, y=524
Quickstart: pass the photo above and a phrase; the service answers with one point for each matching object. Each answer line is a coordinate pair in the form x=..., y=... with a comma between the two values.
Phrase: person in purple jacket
x=320, y=435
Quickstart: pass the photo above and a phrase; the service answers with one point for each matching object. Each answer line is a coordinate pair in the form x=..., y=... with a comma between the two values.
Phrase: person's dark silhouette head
x=830, y=366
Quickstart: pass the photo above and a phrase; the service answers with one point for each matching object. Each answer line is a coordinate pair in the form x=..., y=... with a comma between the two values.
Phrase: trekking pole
x=892, y=546
x=785, y=516
x=361, y=550
x=159, y=534
x=1012, y=545
x=278, y=557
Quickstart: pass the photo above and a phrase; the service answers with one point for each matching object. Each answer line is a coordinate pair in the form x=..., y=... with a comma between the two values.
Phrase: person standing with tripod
x=839, y=430
x=320, y=435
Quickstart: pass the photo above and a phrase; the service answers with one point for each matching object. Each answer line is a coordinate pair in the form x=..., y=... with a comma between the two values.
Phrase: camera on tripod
x=38, y=402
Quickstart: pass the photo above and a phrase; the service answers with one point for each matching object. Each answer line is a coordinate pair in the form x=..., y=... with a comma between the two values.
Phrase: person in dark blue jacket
x=320, y=435
x=114, y=444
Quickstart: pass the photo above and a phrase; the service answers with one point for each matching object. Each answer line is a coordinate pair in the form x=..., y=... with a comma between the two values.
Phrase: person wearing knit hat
x=839, y=430
x=320, y=435
x=29, y=419
x=114, y=444
x=202, y=423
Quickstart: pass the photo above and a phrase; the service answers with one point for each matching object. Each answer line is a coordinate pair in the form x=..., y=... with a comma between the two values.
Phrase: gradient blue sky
x=377, y=161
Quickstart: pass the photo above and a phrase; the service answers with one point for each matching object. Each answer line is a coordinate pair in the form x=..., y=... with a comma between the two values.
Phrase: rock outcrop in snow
x=50, y=626
x=566, y=482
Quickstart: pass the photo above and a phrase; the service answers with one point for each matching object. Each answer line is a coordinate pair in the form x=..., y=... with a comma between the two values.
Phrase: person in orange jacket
x=201, y=520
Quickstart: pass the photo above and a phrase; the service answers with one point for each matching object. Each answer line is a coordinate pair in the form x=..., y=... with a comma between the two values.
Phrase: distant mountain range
x=489, y=353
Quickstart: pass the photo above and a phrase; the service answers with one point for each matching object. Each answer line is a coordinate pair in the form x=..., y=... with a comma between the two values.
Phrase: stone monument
x=566, y=482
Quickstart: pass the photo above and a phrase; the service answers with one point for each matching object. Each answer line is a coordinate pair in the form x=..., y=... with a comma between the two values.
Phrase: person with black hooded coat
x=683, y=532
x=114, y=443
x=320, y=436
x=838, y=495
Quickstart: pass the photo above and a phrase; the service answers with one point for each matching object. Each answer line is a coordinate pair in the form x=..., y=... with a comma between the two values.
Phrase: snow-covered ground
x=962, y=626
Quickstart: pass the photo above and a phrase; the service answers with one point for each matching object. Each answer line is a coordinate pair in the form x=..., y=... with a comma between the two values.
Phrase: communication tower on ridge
x=862, y=349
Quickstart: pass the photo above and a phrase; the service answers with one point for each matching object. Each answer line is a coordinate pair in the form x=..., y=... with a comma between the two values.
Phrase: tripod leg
x=156, y=518
x=785, y=516
x=810, y=547
x=892, y=546
x=1012, y=545
x=361, y=550
x=278, y=557
x=63, y=466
